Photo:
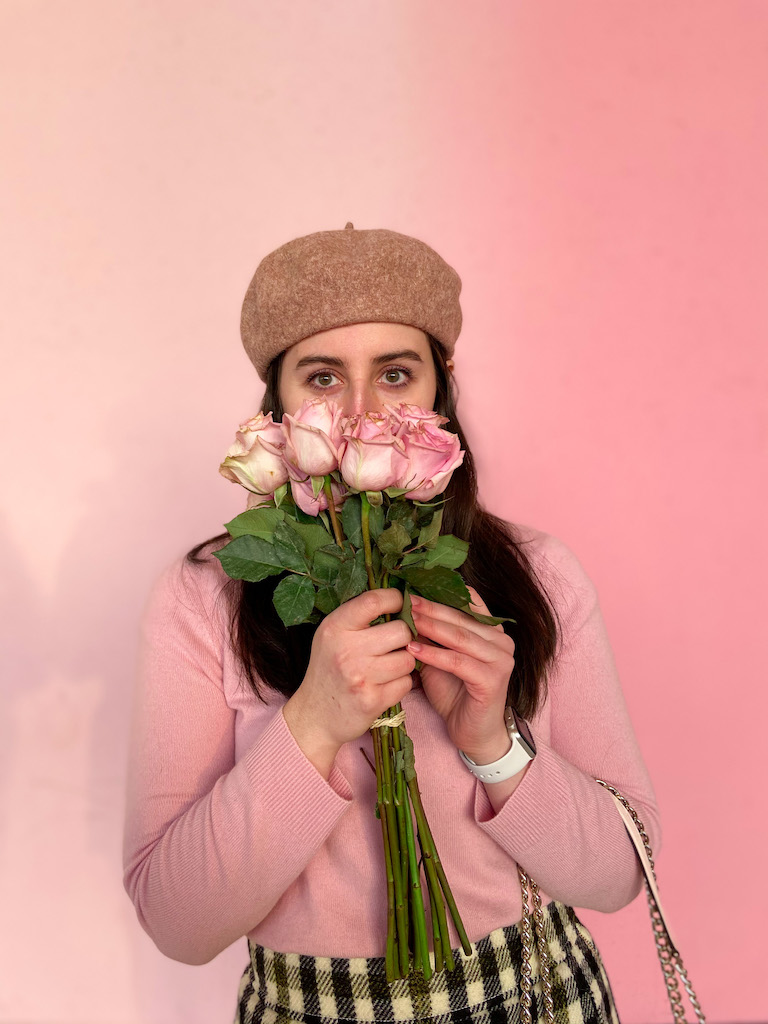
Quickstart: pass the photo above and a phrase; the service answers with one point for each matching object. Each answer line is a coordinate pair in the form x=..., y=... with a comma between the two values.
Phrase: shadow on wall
x=74, y=660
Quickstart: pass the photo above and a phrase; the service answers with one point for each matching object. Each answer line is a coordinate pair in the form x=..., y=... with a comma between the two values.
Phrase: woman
x=250, y=809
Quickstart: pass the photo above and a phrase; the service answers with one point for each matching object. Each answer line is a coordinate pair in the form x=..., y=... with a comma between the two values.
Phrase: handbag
x=532, y=928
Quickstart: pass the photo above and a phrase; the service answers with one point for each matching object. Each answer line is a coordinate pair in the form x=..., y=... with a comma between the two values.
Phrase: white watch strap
x=516, y=758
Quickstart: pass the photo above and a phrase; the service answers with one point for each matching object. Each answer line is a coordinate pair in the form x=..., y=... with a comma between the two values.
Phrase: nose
x=361, y=397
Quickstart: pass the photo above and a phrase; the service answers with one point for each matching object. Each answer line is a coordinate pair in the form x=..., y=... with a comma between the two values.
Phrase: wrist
x=315, y=744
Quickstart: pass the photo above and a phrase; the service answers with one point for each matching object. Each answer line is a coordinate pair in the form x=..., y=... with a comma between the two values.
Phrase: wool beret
x=334, y=278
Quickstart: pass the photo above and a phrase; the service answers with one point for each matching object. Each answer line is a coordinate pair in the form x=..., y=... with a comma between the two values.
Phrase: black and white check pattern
x=291, y=988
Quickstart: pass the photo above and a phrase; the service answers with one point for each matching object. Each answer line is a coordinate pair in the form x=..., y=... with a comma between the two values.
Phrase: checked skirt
x=484, y=988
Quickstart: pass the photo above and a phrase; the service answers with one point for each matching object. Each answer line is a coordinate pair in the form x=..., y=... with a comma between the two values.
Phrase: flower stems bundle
x=348, y=504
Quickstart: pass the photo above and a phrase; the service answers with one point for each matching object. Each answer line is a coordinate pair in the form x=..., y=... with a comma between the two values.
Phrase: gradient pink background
x=596, y=172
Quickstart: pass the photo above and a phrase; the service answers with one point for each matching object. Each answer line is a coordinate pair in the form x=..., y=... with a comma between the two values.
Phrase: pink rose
x=313, y=506
x=371, y=456
x=312, y=437
x=405, y=413
x=433, y=455
x=255, y=460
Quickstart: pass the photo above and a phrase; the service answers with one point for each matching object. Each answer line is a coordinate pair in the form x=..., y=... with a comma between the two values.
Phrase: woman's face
x=360, y=366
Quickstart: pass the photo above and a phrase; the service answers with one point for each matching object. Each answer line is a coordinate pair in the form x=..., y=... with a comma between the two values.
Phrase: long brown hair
x=497, y=567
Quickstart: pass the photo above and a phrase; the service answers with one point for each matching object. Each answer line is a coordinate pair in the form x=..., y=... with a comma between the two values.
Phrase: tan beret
x=333, y=278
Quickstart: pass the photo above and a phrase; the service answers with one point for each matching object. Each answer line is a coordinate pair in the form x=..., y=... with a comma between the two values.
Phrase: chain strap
x=669, y=955
x=532, y=923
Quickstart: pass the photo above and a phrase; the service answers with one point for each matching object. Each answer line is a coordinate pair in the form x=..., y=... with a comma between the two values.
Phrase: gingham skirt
x=484, y=987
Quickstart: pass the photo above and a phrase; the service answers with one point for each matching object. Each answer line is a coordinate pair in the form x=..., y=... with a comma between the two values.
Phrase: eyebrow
x=406, y=353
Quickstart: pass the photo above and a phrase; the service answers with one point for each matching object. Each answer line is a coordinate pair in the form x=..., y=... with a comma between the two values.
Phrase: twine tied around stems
x=389, y=723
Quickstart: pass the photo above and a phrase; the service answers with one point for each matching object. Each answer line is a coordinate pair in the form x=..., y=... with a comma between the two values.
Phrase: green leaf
x=313, y=534
x=449, y=551
x=256, y=522
x=395, y=492
x=406, y=613
x=429, y=534
x=325, y=567
x=294, y=599
x=280, y=494
x=491, y=620
x=400, y=510
x=351, y=520
x=249, y=558
x=394, y=538
x=413, y=558
x=376, y=521
x=353, y=578
x=399, y=761
x=326, y=599
x=317, y=485
x=290, y=546
x=390, y=560
x=439, y=584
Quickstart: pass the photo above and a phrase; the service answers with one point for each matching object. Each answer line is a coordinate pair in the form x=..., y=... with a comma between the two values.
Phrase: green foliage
x=429, y=533
x=353, y=578
x=256, y=522
x=394, y=539
x=447, y=550
x=313, y=534
x=294, y=599
x=351, y=520
x=290, y=547
x=438, y=584
x=249, y=558
x=406, y=612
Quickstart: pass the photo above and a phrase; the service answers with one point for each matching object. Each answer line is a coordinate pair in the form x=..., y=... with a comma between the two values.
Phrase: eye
x=399, y=369
x=322, y=380
x=318, y=376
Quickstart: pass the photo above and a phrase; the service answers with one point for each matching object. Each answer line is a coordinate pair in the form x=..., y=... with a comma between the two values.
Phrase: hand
x=466, y=679
x=355, y=672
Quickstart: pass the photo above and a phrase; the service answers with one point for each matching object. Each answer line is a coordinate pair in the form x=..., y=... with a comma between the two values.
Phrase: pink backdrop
x=597, y=174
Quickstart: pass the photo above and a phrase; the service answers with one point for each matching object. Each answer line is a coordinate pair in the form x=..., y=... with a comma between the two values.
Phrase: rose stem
x=392, y=812
x=400, y=797
x=332, y=511
x=392, y=833
x=391, y=965
x=421, y=950
x=400, y=809
x=425, y=832
x=442, y=938
x=366, y=507
x=436, y=942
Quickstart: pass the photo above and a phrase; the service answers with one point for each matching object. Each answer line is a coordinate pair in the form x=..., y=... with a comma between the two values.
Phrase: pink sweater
x=231, y=831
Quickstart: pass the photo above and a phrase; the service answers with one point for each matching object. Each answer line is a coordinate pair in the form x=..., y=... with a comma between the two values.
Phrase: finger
x=359, y=612
x=391, y=666
x=471, y=671
x=386, y=637
x=423, y=609
x=462, y=637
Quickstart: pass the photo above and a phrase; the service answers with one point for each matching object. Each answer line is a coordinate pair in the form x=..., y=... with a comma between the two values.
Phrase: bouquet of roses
x=341, y=504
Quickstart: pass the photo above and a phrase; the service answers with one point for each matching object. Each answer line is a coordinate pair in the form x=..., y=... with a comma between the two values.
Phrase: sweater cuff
x=542, y=797
x=291, y=789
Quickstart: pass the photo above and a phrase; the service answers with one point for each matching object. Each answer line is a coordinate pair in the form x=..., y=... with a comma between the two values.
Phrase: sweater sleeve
x=210, y=845
x=559, y=825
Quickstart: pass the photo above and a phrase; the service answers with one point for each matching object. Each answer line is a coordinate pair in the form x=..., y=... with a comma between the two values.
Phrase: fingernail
x=413, y=646
x=415, y=601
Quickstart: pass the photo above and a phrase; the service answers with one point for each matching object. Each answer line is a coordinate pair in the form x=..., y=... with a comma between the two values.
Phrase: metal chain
x=669, y=957
x=541, y=943
x=528, y=921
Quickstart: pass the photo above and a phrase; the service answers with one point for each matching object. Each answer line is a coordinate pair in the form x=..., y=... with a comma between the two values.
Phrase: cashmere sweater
x=231, y=831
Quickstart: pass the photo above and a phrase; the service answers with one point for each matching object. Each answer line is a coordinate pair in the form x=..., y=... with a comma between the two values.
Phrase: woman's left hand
x=467, y=677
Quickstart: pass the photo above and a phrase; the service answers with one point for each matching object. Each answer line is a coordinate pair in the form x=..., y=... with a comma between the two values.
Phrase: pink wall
x=596, y=172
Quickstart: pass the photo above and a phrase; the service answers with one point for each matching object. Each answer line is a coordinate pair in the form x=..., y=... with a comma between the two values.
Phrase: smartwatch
x=517, y=757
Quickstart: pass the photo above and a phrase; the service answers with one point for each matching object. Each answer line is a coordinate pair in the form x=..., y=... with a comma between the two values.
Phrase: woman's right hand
x=355, y=672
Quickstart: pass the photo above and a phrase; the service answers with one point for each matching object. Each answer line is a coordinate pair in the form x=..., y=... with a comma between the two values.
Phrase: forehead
x=366, y=342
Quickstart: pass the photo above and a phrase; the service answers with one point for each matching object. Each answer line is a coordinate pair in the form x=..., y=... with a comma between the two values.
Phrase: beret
x=334, y=278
